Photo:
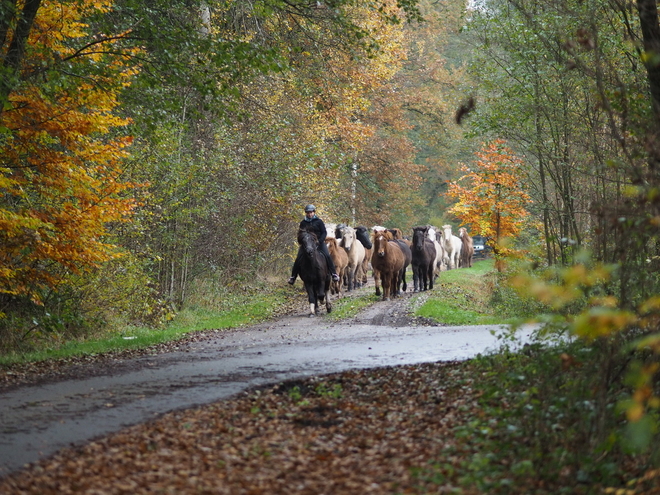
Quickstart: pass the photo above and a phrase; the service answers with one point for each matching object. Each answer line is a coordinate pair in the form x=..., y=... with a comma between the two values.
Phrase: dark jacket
x=317, y=226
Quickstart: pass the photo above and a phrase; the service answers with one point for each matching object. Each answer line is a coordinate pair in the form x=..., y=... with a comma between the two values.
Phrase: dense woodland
x=152, y=147
x=149, y=147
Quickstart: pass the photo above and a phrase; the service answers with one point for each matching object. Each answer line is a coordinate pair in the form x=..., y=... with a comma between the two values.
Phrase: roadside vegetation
x=461, y=297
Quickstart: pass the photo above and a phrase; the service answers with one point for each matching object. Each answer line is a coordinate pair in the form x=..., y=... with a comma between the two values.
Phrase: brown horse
x=340, y=258
x=377, y=230
x=389, y=261
x=467, y=250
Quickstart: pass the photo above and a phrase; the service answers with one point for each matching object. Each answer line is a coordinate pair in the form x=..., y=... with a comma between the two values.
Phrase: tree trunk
x=648, y=19
x=16, y=50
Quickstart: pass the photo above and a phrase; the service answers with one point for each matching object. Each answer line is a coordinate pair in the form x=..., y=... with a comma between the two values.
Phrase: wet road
x=36, y=421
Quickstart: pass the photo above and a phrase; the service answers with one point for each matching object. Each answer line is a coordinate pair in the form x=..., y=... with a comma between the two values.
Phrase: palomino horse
x=340, y=259
x=314, y=272
x=355, y=251
x=467, y=250
x=452, y=245
x=440, y=255
x=423, y=259
x=389, y=261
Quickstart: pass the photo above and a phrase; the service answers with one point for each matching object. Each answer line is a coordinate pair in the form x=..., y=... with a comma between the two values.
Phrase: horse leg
x=377, y=281
x=311, y=298
x=386, y=279
x=416, y=282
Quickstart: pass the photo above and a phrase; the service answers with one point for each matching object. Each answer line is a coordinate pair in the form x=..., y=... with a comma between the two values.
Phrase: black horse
x=314, y=272
x=423, y=259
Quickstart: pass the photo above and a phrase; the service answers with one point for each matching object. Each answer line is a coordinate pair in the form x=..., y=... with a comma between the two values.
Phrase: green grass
x=241, y=311
x=347, y=307
x=462, y=297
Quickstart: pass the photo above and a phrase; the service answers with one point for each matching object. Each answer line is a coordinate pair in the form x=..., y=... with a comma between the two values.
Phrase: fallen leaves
x=362, y=432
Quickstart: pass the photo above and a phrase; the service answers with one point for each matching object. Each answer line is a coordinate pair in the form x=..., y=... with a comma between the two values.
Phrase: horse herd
x=388, y=253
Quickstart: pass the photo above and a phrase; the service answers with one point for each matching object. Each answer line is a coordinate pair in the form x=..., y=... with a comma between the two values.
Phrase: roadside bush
x=550, y=422
x=85, y=305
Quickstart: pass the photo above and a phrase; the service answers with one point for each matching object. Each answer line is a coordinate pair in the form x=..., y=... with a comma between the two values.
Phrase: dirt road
x=89, y=401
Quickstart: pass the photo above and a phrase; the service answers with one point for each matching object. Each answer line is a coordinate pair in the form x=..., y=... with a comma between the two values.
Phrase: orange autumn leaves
x=490, y=197
x=60, y=176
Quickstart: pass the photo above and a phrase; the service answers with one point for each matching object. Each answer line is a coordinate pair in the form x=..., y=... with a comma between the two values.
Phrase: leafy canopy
x=60, y=170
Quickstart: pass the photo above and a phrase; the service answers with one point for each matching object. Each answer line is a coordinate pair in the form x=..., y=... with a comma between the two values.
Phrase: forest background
x=154, y=153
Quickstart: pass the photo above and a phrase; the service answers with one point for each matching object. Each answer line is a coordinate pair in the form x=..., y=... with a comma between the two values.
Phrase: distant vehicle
x=481, y=249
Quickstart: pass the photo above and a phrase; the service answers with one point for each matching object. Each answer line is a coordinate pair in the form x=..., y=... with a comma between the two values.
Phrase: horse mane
x=464, y=236
x=303, y=231
x=396, y=233
x=333, y=244
x=386, y=233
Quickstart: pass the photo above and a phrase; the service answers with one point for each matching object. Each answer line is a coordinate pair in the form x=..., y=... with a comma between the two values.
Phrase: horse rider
x=314, y=224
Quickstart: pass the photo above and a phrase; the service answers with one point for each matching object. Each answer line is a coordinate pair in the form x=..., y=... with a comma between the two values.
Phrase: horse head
x=362, y=235
x=419, y=236
x=330, y=230
x=446, y=232
x=347, y=237
x=308, y=241
x=380, y=242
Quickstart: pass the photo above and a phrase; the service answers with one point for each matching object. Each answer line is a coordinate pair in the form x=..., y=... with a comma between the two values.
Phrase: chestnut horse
x=389, y=261
x=423, y=259
x=314, y=272
x=377, y=230
x=340, y=259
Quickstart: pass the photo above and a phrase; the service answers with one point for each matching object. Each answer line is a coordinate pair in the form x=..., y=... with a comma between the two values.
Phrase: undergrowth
x=548, y=422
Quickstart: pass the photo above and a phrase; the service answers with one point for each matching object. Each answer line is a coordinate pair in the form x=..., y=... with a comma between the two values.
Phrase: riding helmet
x=310, y=208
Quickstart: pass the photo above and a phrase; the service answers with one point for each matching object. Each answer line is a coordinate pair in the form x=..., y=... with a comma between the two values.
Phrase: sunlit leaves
x=61, y=171
x=491, y=197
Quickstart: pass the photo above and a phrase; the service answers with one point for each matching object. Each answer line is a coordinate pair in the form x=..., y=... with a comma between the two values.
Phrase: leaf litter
x=357, y=432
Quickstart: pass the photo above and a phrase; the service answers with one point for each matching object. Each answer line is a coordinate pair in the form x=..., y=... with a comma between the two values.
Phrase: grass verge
x=462, y=297
x=238, y=309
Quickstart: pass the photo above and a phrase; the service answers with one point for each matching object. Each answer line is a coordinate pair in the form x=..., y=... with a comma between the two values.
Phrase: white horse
x=441, y=258
x=452, y=245
x=330, y=230
x=356, y=253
